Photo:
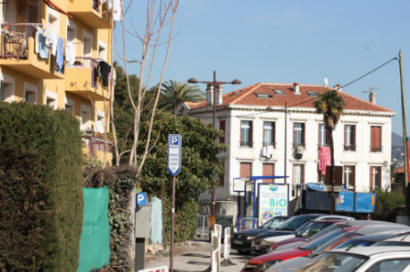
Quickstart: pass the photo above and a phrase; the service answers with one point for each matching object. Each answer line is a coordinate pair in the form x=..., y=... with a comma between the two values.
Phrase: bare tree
x=160, y=18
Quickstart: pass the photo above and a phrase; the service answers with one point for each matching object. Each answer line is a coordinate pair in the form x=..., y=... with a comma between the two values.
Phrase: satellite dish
x=326, y=81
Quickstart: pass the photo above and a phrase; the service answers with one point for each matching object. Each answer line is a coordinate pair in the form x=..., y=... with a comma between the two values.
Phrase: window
x=51, y=99
x=222, y=127
x=268, y=133
x=263, y=95
x=312, y=93
x=30, y=96
x=375, y=177
x=279, y=91
x=246, y=133
x=323, y=136
x=6, y=91
x=268, y=170
x=70, y=106
x=350, y=137
x=391, y=265
x=349, y=176
x=375, y=138
x=85, y=117
x=87, y=49
x=298, y=174
x=298, y=134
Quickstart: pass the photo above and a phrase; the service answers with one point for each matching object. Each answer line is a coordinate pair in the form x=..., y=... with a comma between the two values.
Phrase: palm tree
x=175, y=93
x=331, y=105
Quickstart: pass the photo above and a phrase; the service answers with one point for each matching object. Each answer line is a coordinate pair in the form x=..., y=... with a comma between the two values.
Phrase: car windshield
x=325, y=231
x=334, y=262
x=272, y=223
x=308, y=229
x=294, y=222
x=355, y=243
x=312, y=245
x=332, y=243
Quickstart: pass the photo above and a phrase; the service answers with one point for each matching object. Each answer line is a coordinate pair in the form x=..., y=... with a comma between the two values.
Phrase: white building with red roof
x=253, y=120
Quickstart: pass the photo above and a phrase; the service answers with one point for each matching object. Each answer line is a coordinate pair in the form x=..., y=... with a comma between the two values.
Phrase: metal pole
x=286, y=141
x=213, y=200
x=171, y=251
x=403, y=117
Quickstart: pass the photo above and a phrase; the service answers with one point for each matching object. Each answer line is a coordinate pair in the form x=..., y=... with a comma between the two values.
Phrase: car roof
x=335, y=217
x=373, y=250
x=404, y=237
x=374, y=237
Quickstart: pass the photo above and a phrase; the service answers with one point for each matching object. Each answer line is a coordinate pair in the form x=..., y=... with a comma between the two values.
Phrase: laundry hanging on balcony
x=60, y=56
x=104, y=70
x=69, y=53
x=324, y=159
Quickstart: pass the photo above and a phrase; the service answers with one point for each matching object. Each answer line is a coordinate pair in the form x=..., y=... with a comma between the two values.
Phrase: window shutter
x=274, y=133
x=250, y=134
x=354, y=177
x=344, y=137
x=371, y=179
x=303, y=134
x=268, y=170
x=222, y=176
x=354, y=137
x=222, y=127
x=375, y=138
x=246, y=169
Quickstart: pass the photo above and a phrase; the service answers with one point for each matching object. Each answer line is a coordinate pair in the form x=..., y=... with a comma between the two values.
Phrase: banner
x=273, y=201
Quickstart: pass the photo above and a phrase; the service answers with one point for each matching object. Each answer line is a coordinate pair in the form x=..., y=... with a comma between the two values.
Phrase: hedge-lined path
x=193, y=256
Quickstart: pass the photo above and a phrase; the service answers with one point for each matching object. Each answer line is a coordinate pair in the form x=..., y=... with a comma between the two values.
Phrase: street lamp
x=213, y=85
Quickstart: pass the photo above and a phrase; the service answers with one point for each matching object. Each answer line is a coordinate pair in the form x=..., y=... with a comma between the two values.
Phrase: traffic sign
x=142, y=199
x=174, y=153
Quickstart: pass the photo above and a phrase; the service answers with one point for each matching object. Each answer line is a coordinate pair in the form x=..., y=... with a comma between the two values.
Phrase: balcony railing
x=17, y=51
x=94, y=13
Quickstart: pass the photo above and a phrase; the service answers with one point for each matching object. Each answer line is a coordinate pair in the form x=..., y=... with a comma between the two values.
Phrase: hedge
x=40, y=189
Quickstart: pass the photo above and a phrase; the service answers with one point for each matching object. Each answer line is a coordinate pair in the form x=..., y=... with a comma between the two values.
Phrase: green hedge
x=387, y=204
x=40, y=189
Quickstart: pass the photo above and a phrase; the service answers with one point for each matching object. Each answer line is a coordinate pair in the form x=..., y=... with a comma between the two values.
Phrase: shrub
x=387, y=203
x=40, y=189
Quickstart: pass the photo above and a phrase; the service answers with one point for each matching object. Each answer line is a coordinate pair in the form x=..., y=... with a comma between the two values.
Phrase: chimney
x=338, y=87
x=372, y=97
x=209, y=95
x=296, y=88
x=219, y=94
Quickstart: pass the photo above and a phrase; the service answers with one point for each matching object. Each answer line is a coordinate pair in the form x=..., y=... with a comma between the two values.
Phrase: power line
x=368, y=73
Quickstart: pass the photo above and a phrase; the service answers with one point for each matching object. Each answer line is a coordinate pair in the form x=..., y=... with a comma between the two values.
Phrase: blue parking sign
x=142, y=199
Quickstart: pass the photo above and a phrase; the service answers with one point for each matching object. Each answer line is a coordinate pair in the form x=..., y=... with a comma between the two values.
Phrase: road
x=194, y=256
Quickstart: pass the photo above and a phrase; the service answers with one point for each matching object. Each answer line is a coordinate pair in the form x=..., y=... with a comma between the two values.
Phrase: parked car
x=361, y=259
x=263, y=242
x=360, y=235
x=241, y=240
x=263, y=262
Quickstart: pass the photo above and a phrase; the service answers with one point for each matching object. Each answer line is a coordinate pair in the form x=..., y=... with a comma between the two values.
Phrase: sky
x=286, y=41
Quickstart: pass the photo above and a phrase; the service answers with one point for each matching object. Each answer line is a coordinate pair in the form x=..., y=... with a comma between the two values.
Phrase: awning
x=57, y=8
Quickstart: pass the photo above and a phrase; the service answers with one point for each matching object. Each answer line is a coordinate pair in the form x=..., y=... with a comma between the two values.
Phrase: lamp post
x=213, y=85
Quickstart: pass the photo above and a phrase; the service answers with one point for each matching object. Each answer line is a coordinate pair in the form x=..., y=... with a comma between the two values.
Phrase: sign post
x=174, y=165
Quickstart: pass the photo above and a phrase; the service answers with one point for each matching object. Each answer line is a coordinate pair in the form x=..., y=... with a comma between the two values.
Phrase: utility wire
x=370, y=72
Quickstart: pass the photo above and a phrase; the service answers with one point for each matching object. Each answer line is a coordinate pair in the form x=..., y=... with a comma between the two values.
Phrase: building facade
x=59, y=53
x=273, y=129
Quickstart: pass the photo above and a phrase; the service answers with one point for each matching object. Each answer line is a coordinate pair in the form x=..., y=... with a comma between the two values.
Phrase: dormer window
x=263, y=95
x=278, y=91
x=312, y=93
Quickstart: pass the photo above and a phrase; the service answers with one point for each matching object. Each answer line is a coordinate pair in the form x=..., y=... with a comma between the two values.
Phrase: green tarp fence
x=95, y=235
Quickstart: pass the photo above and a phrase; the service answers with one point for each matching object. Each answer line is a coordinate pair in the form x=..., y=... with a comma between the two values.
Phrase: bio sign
x=174, y=153
x=273, y=201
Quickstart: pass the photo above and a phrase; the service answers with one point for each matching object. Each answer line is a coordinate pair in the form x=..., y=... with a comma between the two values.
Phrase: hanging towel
x=43, y=48
x=52, y=40
x=37, y=39
x=59, y=56
x=69, y=53
x=104, y=70
x=324, y=159
x=117, y=10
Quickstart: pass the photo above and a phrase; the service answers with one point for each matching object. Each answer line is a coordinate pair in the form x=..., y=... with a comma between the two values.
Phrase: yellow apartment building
x=59, y=53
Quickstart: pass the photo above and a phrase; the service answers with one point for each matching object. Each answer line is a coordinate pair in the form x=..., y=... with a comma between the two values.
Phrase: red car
x=261, y=263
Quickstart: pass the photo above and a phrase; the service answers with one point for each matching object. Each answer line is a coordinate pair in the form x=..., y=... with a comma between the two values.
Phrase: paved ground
x=193, y=256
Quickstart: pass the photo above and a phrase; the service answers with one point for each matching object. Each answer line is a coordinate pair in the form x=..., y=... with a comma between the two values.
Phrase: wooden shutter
x=375, y=138
x=274, y=133
x=222, y=127
x=353, y=140
x=268, y=170
x=246, y=169
x=303, y=134
x=250, y=133
x=354, y=177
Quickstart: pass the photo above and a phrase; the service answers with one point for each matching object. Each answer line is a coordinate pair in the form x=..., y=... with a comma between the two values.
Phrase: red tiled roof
x=248, y=96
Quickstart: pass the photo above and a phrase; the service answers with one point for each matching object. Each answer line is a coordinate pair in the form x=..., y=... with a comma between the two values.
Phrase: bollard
x=227, y=248
x=215, y=252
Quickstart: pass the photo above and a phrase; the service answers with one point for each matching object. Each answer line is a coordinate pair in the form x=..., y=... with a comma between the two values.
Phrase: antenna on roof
x=372, y=94
x=326, y=81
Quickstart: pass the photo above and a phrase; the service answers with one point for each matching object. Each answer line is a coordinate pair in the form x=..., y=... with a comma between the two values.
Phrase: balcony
x=91, y=12
x=81, y=80
x=17, y=52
